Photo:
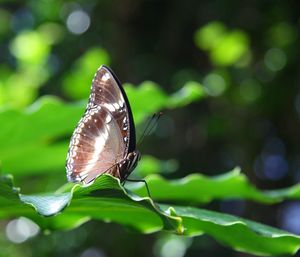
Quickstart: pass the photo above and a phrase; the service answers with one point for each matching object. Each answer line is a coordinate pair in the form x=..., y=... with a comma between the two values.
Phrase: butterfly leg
x=118, y=173
x=138, y=180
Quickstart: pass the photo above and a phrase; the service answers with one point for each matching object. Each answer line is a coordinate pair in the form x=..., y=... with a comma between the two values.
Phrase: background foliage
x=225, y=74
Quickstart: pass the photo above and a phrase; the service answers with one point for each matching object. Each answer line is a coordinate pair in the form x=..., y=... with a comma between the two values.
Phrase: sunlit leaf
x=145, y=99
x=107, y=201
x=198, y=188
x=190, y=92
x=77, y=83
x=241, y=234
x=149, y=98
x=31, y=138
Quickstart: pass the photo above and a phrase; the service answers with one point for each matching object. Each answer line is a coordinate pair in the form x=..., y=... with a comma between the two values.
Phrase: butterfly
x=104, y=140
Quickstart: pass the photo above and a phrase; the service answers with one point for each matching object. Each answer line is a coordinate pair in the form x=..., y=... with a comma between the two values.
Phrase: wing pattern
x=102, y=137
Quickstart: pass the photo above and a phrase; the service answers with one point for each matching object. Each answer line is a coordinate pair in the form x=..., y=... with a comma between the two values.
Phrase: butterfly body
x=104, y=139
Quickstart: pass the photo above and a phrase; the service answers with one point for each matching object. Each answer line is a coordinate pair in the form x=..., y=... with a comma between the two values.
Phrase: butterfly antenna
x=150, y=126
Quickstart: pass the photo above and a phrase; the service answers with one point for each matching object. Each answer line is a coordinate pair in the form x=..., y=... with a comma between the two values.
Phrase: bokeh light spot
x=209, y=35
x=275, y=59
x=225, y=47
x=214, y=84
x=282, y=34
x=173, y=248
x=52, y=32
x=271, y=166
x=30, y=47
x=92, y=252
x=21, y=229
x=275, y=167
x=250, y=90
x=290, y=217
x=78, y=22
x=230, y=49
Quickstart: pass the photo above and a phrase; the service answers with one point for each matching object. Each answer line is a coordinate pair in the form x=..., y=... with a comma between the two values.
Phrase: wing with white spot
x=104, y=135
x=107, y=91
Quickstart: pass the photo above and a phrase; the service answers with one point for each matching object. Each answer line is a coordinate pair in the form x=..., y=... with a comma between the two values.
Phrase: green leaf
x=107, y=201
x=241, y=234
x=199, y=188
x=145, y=99
x=104, y=200
x=151, y=165
x=76, y=83
x=190, y=92
x=30, y=139
x=148, y=98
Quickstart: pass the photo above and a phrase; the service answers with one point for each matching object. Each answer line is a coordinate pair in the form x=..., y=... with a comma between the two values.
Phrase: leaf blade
x=107, y=201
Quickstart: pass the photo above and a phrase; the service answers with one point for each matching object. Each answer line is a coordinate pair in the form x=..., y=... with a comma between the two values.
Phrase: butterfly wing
x=105, y=133
x=107, y=91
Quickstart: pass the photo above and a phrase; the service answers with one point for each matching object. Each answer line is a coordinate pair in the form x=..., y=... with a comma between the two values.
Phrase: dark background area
x=250, y=120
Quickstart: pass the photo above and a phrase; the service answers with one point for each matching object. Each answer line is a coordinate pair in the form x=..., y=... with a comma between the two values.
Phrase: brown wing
x=107, y=91
x=101, y=138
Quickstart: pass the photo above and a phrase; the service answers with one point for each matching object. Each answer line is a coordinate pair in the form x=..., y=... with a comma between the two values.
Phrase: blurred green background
x=244, y=55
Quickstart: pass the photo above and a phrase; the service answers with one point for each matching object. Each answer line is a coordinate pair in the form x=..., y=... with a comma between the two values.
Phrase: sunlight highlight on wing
x=99, y=143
